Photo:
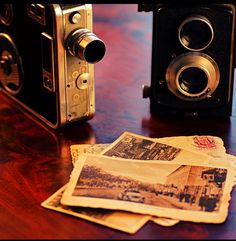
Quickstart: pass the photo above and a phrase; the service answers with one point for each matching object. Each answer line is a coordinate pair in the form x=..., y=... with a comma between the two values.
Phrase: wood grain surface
x=35, y=160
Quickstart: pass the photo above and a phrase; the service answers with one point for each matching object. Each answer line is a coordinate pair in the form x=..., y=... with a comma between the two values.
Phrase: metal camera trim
x=187, y=60
x=67, y=80
x=194, y=18
x=78, y=41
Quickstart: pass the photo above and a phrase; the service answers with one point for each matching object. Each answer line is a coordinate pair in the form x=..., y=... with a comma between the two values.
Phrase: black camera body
x=193, y=58
x=47, y=56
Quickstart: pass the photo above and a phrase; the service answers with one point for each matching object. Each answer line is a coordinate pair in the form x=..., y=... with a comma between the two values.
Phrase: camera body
x=193, y=58
x=47, y=57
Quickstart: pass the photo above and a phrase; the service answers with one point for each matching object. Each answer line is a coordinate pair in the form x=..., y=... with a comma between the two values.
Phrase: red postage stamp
x=204, y=142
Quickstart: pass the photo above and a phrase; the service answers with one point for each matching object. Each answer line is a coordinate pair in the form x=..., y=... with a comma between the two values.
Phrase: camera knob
x=9, y=76
x=85, y=45
x=11, y=71
x=82, y=81
x=146, y=91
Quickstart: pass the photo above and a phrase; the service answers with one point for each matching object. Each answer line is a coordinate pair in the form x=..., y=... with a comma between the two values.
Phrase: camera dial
x=192, y=76
x=195, y=33
x=85, y=45
x=10, y=65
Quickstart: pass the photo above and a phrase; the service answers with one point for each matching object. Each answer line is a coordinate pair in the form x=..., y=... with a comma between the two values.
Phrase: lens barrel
x=192, y=76
x=195, y=33
x=86, y=45
x=193, y=80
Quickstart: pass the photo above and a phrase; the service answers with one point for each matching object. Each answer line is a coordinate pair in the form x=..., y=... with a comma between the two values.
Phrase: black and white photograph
x=133, y=146
x=123, y=221
x=149, y=187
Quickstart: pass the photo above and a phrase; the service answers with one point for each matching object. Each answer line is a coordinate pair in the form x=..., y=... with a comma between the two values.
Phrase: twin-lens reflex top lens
x=195, y=33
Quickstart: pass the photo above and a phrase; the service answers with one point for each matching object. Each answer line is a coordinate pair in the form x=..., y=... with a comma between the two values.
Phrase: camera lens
x=85, y=45
x=93, y=51
x=6, y=14
x=193, y=80
x=195, y=33
x=192, y=76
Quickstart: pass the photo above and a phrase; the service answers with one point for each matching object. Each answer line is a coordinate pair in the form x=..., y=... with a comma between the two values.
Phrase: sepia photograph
x=156, y=188
x=132, y=146
x=123, y=221
x=79, y=149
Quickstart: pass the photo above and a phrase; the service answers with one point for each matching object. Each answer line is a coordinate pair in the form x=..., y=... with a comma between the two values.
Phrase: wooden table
x=35, y=160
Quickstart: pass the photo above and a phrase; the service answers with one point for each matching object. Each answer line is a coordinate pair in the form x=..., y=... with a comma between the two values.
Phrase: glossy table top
x=35, y=160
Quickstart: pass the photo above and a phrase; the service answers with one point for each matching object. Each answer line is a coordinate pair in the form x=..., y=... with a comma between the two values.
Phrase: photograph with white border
x=189, y=191
x=133, y=146
x=120, y=220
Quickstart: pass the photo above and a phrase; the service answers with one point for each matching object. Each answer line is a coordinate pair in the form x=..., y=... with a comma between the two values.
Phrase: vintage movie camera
x=193, y=58
x=47, y=57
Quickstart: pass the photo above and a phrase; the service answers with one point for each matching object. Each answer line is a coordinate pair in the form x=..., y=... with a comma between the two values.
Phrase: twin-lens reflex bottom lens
x=193, y=80
x=192, y=76
x=195, y=33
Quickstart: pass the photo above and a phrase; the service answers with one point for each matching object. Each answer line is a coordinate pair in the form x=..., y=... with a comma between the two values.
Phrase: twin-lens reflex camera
x=48, y=52
x=47, y=57
x=193, y=58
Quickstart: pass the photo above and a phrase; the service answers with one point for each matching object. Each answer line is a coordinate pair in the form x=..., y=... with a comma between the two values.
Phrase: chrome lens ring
x=203, y=73
x=195, y=33
x=86, y=45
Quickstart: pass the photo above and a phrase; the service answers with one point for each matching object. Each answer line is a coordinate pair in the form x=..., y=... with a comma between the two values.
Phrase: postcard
x=210, y=145
x=188, y=191
x=132, y=146
x=120, y=220
x=79, y=149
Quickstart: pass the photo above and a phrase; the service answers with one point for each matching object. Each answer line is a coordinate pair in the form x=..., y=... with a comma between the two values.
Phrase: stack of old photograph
x=136, y=179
